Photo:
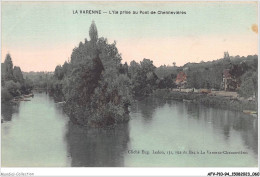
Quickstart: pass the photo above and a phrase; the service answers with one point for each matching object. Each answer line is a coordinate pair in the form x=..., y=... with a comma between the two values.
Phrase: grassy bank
x=208, y=100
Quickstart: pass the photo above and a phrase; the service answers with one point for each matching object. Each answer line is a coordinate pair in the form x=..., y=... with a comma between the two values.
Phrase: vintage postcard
x=129, y=84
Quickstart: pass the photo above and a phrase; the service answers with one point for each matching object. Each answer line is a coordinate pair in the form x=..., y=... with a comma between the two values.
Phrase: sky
x=41, y=35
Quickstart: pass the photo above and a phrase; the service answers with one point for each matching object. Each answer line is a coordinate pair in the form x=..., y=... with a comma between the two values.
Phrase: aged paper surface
x=129, y=84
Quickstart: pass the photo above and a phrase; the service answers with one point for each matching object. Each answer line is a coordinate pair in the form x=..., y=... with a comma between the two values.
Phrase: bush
x=5, y=95
x=249, y=84
x=13, y=87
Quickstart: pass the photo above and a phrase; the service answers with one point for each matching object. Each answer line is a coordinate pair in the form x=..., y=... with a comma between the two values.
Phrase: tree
x=18, y=75
x=5, y=95
x=143, y=77
x=13, y=83
x=13, y=88
x=58, y=73
x=8, y=68
x=93, y=33
x=167, y=82
x=95, y=84
x=2, y=74
x=238, y=70
x=249, y=84
x=27, y=87
x=133, y=68
x=147, y=65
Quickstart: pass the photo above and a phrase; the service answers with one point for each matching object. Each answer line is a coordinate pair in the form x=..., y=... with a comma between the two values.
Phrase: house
x=228, y=82
x=181, y=80
x=226, y=79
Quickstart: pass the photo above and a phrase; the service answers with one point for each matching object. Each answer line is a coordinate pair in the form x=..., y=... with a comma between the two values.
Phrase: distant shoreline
x=207, y=100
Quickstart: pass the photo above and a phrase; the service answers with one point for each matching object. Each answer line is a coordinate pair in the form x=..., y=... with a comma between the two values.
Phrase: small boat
x=249, y=112
x=187, y=101
x=62, y=102
x=15, y=101
x=28, y=96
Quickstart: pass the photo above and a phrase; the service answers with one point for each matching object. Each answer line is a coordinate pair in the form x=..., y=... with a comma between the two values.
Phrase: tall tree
x=133, y=68
x=8, y=68
x=93, y=33
x=147, y=65
x=18, y=75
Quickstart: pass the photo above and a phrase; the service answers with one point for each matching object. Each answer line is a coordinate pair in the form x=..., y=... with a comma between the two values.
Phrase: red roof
x=181, y=77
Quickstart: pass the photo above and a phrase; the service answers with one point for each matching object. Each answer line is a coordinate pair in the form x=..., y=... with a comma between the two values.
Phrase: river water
x=160, y=133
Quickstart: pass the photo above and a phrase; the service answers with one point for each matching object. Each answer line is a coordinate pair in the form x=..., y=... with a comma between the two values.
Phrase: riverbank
x=208, y=100
x=22, y=98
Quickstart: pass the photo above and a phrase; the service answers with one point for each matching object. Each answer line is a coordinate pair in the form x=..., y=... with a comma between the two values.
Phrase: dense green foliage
x=206, y=74
x=210, y=74
x=13, y=83
x=96, y=91
x=143, y=77
x=39, y=80
x=249, y=84
x=164, y=71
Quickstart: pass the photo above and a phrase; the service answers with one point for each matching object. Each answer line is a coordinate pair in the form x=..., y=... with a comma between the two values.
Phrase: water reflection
x=227, y=120
x=38, y=134
x=35, y=135
x=8, y=109
x=248, y=128
x=183, y=126
x=243, y=124
x=147, y=107
x=92, y=147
